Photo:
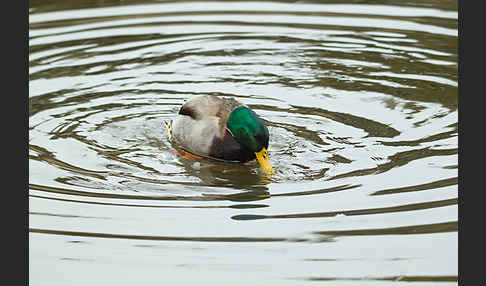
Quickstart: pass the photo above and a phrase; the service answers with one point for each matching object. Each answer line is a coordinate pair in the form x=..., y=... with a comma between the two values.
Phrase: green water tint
x=360, y=105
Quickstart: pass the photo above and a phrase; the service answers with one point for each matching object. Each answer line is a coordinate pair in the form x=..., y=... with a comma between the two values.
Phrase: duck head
x=251, y=132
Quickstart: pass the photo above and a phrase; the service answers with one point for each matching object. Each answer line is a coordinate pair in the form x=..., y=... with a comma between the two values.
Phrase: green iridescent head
x=248, y=129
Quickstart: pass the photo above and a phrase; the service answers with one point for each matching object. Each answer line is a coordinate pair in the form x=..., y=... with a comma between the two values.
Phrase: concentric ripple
x=361, y=105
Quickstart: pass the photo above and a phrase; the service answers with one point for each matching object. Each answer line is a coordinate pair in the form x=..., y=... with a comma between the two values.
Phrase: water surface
x=361, y=104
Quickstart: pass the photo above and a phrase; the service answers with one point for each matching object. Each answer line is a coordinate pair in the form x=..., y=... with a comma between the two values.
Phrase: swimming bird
x=221, y=128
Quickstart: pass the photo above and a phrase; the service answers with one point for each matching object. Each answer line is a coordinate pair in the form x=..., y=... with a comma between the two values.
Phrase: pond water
x=361, y=102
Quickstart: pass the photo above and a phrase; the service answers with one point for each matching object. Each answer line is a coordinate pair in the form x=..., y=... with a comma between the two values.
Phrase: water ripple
x=361, y=102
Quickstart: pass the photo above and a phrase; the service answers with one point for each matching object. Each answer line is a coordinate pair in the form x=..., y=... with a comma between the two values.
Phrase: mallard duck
x=220, y=128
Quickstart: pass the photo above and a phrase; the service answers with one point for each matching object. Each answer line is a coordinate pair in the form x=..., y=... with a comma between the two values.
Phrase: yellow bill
x=262, y=158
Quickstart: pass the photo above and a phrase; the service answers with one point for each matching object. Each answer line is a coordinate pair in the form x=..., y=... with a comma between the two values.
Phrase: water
x=361, y=104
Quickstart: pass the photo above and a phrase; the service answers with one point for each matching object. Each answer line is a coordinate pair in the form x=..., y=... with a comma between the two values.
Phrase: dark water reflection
x=361, y=102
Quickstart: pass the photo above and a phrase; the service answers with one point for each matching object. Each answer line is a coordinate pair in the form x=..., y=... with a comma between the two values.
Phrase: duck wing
x=201, y=121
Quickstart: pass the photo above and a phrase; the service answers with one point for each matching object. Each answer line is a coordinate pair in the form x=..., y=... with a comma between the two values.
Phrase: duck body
x=200, y=128
x=220, y=128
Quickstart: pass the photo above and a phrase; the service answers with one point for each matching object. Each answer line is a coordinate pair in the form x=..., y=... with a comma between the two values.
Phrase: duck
x=220, y=128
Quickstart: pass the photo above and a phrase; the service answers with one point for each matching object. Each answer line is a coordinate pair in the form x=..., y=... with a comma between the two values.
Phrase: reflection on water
x=361, y=104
